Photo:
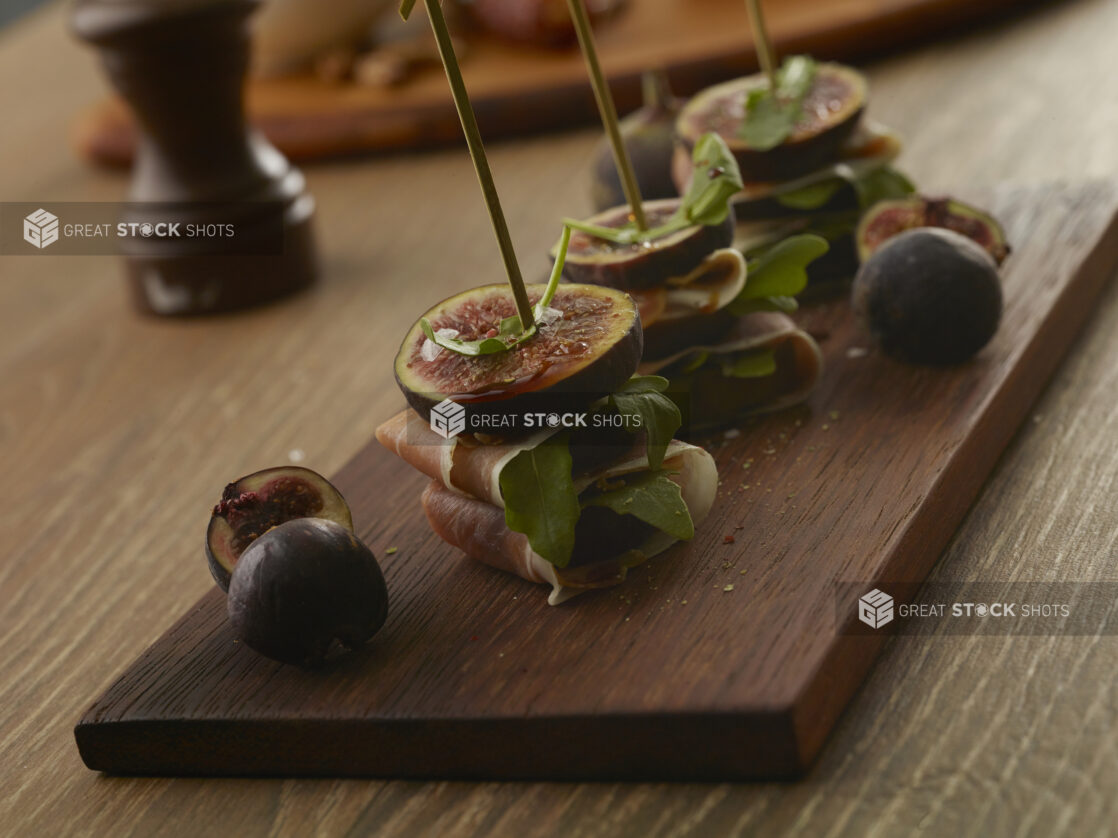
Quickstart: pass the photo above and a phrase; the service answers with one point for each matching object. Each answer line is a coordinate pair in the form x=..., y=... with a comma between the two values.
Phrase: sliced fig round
x=644, y=265
x=303, y=588
x=588, y=343
x=831, y=112
x=889, y=218
x=256, y=503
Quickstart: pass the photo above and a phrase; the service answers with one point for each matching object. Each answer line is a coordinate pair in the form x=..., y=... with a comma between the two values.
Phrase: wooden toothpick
x=477, y=154
x=765, y=53
x=608, y=112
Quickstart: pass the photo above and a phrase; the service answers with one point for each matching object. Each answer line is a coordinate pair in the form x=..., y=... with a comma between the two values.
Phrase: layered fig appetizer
x=715, y=326
x=811, y=162
x=549, y=457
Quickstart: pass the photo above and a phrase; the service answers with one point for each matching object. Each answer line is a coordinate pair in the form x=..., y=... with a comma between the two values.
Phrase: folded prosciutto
x=763, y=362
x=623, y=511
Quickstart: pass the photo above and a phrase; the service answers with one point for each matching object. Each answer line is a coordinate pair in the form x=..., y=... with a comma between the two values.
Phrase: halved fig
x=889, y=218
x=256, y=503
x=588, y=343
x=630, y=266
x=831, y=112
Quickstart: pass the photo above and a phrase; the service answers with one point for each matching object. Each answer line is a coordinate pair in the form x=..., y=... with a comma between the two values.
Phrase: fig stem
x=481, y=162
x=764, y=47
x=656, y=92
x=608, y=112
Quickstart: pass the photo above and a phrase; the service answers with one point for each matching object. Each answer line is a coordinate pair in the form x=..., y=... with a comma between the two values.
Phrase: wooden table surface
x=116, y=432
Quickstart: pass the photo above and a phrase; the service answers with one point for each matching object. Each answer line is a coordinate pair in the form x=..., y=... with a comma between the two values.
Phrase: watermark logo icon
x=448, y=418
x=40, y=228
x=875, y=609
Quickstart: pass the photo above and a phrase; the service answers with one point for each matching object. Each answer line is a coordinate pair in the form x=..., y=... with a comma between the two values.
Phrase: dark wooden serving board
x=518, y=90
x=671, y=675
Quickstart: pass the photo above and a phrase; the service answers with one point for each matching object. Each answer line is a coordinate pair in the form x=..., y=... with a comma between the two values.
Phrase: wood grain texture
x=113, y=429
x=713, y=661
x=518, y=90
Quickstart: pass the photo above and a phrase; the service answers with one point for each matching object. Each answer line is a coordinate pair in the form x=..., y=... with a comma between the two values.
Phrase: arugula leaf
x=540, y=498
x=510, y=332
x=781, y=272
x=653, y=498
x=626, y=234
x=754, y=364
x=485, y=346
x=881, y=184
x=771, y=115
x=539, y=492
x=642, y=397
x=696, y=361
x=810, y=197
x=870, y=183
x=716, y=178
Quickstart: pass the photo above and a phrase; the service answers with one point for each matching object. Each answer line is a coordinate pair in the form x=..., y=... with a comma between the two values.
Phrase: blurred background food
x=360, y=80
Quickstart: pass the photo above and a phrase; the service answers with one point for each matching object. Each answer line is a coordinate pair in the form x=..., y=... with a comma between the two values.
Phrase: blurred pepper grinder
x=244, y=234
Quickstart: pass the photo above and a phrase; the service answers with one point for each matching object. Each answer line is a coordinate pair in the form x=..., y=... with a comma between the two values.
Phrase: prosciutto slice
x=717, y=399
x=464, y=506
x=710, y=287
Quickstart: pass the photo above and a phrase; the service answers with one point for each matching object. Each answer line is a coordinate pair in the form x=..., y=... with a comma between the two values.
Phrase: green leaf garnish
x=881, y=184
x=627, y=234
x=754, y=364
x=643, y=396
x=871, y=181
x=510, y=333
x=771, y=115
x=811, y=197
x=716, y=178
x=539, y=492
x=778, y=275
x=540, y=499
x=405, y=8
x=653, y=498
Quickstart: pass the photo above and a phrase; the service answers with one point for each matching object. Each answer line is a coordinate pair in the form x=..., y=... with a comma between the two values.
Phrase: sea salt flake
x=549, y=315
x=430, y=350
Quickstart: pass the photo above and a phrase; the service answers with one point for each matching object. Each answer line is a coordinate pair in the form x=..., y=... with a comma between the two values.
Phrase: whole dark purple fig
x=649, y=134
x=929, y=296
x=303, y=587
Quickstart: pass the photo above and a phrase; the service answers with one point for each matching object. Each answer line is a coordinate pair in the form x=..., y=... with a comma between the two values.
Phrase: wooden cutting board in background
x=518, y=90
x=715, y=660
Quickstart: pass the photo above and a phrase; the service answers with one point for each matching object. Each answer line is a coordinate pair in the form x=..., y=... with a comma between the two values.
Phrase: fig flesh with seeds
x=831, y=111
x=303, y=588
x=598, y=261
x=588, y=342
x=889, y=218
x=256, y=503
